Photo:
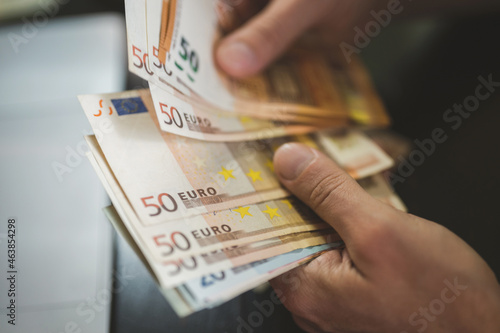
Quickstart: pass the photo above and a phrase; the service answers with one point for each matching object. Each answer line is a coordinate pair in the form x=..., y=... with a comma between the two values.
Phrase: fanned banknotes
x=206, y=242
x=188, y=164
x=167, y=177
x=308, y=86
x=212, y=289
x=174, y=251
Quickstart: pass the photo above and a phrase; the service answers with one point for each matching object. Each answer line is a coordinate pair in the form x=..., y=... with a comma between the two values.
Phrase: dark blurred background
x=421, y=68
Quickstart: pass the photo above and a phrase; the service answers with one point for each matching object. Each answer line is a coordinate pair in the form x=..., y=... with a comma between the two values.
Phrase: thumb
x=329, y=191
x=252, y=47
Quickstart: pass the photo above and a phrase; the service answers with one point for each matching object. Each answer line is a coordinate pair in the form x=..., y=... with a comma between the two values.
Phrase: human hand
x=397, y=273
x=269, y=31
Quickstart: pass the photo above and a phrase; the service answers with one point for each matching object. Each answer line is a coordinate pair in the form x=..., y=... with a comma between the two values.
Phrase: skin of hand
x=397, y=273
x=269, y=27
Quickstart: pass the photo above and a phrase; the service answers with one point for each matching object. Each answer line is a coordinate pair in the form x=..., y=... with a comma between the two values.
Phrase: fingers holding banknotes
x=397, y=273
x=268, y=33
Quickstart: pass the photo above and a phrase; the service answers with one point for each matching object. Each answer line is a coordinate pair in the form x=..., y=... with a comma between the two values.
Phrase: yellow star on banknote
x=270, y=165
x=272, y=212
x=360, y=116
x=243, y=211
x=245, y=119
x=200, y=162
x=255, y=175
x=288, y=203
x=227, y=173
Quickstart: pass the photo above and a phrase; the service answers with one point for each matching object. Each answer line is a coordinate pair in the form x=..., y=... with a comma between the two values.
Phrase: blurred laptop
x=63, y=258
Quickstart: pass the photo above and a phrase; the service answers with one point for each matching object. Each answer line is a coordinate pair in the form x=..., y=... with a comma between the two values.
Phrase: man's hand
x=268, y=27
x=397, y=273
x=269, y=31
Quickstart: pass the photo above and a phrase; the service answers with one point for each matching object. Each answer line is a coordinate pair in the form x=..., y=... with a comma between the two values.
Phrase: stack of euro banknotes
x=188, y=164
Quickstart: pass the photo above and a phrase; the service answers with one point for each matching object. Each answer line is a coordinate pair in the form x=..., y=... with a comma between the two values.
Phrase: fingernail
x=292, y=159
x=237, y=57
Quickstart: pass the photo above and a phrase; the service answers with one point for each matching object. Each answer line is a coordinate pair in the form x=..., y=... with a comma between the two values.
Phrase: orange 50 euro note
x=309, y=84
x=167, y=177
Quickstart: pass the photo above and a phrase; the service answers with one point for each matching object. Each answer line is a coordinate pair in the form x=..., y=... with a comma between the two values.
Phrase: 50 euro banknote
x=142, y=31
x=212, y=289
x=310, y=87
x=208, y=232
x=176, y=240
x=167, y=177
x=172, y=270
x=310, y=79
x=220, y=229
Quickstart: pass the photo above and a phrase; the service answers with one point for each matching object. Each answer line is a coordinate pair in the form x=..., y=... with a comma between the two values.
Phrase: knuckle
x=322, y=192
x=269, y=33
